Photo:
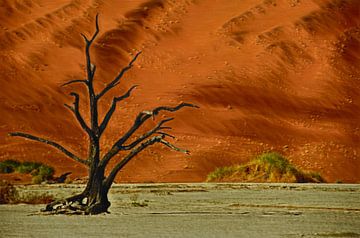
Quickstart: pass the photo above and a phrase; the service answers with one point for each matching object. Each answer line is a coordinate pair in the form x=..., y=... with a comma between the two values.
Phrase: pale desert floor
x=199, y=210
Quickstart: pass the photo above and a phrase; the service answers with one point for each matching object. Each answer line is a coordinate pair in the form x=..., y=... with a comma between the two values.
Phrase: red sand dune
x=277, y=75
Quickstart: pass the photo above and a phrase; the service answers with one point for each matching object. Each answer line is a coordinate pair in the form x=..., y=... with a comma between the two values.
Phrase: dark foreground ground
x=198, y=210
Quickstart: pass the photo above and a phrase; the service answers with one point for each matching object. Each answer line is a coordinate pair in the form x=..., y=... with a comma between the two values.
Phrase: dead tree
x=94, y=198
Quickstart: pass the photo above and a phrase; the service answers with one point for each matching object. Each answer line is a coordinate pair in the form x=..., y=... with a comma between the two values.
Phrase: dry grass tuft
x=268, y=167
x=40, y=172
x=10, y=195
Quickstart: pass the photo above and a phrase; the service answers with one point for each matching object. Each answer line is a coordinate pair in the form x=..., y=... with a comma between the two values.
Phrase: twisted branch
x=75, y=110
x=140, y=119
x=145, y=115
x=75, y=81
x=109, y=180
x=171, y=146
x=52, y=143
x=146, y=135
x=118, y=77
x=90, y=68
x=112, y=109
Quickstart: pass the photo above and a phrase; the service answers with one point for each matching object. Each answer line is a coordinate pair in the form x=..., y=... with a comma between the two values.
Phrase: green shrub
x=8, y=166
x=40, y=172
x=268, y=167
x=221, y=173
x=46, y=172
x=274, y=161
x=37, y=179
x=27, y=167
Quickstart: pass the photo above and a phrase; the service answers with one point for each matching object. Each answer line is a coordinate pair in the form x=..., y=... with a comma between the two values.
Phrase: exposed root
x=75, y=205
x=98, y=208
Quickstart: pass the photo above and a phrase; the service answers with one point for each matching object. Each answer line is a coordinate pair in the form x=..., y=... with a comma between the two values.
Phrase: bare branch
x=144, y=115
x=52, y=143
x=137, y=150
x=123, y=162
x=85, y=38
x=90, y=68
x=90, y=71
x=87, y=41
x=75, y=110
x=75, y=81
x=116, y=148
x=165, y=134
x=118, y=77
x=171, y=146
x=140, y=119
x=97, y=28
x=112, y=109
x=172, y=109
x=146, y=135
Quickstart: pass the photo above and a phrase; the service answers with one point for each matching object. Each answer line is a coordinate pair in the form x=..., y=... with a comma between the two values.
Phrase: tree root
x=98, y=208
x=75, y=205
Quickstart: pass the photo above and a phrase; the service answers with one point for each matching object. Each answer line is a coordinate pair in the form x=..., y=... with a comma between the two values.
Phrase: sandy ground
x=277, y=75
x=199, y=210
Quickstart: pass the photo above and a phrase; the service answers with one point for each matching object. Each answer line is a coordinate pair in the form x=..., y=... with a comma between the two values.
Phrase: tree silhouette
x=94, y=198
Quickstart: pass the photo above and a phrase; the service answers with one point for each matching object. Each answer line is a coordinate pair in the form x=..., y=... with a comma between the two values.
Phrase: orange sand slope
x=277, y=75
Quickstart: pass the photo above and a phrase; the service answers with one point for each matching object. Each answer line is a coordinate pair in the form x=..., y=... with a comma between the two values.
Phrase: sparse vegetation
x=40, y=172
x=8, y=192
x=136, y=203
x=27, y=167
x=8, y=166
x=10, y=195
x=268, y=167
x=34, y=198
x=43, y=173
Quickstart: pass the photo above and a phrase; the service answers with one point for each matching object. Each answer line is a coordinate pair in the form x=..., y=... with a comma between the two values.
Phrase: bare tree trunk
x=98, y=195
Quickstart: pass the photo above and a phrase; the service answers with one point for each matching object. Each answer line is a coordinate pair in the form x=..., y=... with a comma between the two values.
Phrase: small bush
x=268, y=167
x=222, y=172
x=37, y=179
x=40, y=172
x=10, y=195
x=27, y=167
x=46, y=172
x=274, y=161
x=8, y=166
